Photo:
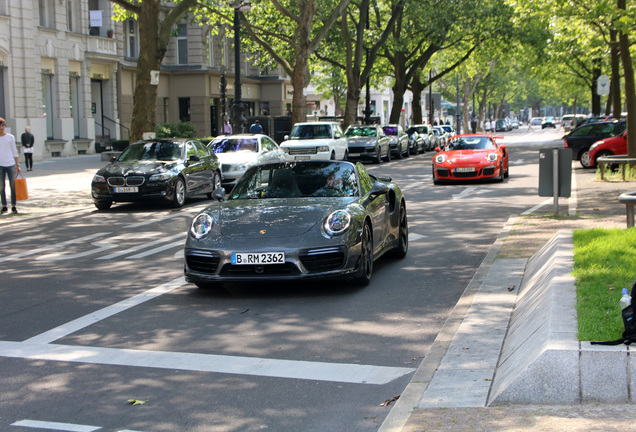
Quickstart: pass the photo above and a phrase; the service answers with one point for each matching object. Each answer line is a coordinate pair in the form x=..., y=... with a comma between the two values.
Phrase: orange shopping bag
x=21, y=191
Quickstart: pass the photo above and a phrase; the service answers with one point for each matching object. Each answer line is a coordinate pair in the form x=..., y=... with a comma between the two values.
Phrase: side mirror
x=194, y=158
x=337, y=135
x=286, y=137
x=113, y=159
x=378, y=189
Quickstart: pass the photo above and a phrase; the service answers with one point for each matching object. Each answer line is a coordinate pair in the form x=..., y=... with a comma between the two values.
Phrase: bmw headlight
x=201, y=226
x=99, y=179
x=440, y=158
x=492, y=157
x=160, y=177
x=241, y=166
x=337, y=223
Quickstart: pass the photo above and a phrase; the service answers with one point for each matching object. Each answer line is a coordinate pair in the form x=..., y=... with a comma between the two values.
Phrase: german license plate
x=302, y=158
x=259, y=258
x=465, y=169
x=126, y=189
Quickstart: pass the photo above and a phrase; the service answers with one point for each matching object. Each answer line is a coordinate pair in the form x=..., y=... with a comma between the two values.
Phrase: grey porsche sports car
x=298, y=220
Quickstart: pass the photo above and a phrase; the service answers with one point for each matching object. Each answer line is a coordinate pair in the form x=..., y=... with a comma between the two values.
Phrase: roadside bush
x=175, y=130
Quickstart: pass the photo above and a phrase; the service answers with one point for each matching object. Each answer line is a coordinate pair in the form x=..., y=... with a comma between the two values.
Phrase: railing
x=116, y=123
x=622, y=160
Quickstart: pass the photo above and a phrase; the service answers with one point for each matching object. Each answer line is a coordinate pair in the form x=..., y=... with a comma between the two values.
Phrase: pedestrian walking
x=9, y=166
x=473, y=124
x=256, y=128
x=227, y=128
x=28, y=140
x=487, y=126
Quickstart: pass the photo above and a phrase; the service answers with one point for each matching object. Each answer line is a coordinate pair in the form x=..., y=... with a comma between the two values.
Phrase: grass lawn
x=604, y=264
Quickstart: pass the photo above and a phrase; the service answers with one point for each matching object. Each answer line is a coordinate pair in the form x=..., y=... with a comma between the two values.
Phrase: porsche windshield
x=289, y=180
x=227, y=145
x=353, y=131
x=470, y=143
x=151, y=151
x=310, y=131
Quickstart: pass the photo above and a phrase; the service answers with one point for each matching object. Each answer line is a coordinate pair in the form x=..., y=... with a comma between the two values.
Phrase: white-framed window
x=182, y=44
x=210, y=47
x=73, y=16
x=47, y=13
x=131, y=30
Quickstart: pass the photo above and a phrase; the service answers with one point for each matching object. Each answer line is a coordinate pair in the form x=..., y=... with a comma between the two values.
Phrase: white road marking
x=140, y=247
x=415, y=237
x=87, y=320
x=68, y=427
x=517, y=162
x=538, y=206
x=51, y=247
x=253, y=366
x=40, y=347
x=172, y=245
x=169, y=216
x=468, y=192
x=100, y=246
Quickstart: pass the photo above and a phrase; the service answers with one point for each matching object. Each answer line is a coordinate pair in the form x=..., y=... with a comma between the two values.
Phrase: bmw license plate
x=260, y=258
x=465, y=169
x=126, y=189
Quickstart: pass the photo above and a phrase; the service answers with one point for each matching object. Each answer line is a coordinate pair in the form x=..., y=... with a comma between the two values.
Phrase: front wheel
x=366, y=257
x=216, y=184
x=103, y=205
x=179, y=194
x=388, y=154
x=585, y=159
x=403, y=235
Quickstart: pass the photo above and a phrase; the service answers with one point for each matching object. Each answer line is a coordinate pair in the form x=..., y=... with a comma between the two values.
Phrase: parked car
x=298, y=221
x=581, y=139
x=571, y=121
x=236, y=153
x=501, y=125
x=316, y=141
x=399, y=140
x=514, y=124
x=443, y=135
x=594, y=119
x=536, y=121
x=368, y=142
x=425, y=132
x=608, y=147
x=417, y=143
x=548, y=122
x=165, y=169
x=436, y=138
x=448, y=130
x=470, y=157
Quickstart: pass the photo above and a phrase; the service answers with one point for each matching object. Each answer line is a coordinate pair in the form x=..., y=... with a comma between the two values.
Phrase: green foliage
x=175, y=130
x=604, y=263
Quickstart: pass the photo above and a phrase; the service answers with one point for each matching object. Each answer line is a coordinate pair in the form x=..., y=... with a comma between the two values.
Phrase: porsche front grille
x=285, y=269
x=321, y=260
x=202, y=261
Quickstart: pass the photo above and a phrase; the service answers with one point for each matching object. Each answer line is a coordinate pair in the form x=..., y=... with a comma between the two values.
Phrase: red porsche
x=470, y=157
x=608, y=147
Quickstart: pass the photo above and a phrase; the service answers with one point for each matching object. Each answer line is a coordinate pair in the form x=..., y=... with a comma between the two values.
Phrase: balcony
x=101, y=47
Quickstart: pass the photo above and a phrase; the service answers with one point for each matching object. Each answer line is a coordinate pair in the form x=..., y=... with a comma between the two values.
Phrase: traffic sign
x=603, y=85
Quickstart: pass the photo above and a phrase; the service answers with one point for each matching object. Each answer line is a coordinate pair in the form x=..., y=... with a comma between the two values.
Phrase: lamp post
x=238, y=119
x=367, y=107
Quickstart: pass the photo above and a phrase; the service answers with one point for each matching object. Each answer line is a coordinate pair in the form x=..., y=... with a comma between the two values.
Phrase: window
x=72, y=16
x=131, y=30
x=210, y=48
x=182, y=44
x=47, y=98
x=184, y=109
x=47, y=11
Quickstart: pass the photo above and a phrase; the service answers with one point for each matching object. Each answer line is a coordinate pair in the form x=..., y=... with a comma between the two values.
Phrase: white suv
x=315, y=140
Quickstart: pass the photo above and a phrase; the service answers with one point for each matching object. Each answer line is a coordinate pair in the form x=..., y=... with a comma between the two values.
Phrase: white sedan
x=236, y=153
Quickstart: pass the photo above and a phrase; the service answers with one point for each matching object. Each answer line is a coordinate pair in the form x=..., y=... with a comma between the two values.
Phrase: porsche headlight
x=99, y=179
x=440, y=158
x=201, y=226
x=160, y=177
x=492, y=157
x=337, y=223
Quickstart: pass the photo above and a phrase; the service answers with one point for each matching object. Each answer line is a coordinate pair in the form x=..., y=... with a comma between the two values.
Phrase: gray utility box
x=563, y=174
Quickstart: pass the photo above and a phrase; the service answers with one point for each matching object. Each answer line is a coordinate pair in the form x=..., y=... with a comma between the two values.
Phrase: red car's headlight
x=440, y=158
x=492, y=157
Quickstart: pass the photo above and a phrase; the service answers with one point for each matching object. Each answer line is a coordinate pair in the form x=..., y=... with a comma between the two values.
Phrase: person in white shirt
x=9, y=166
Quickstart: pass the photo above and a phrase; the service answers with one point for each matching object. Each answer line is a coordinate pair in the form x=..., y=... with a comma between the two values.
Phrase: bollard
x=629, y=199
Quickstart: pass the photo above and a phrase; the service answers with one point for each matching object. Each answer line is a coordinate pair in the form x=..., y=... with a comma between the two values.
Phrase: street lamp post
x=238, y=119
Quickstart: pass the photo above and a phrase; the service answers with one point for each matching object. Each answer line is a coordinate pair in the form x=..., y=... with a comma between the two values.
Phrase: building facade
x=67, y=70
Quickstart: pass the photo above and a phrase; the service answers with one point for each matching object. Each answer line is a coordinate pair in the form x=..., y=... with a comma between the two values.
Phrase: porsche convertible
x=470, y=157
x=296, y=221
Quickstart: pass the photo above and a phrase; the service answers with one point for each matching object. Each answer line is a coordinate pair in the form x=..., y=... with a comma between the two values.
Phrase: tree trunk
x=630, y=88
x=615, y=84
x=151, y=52
x=417, y=87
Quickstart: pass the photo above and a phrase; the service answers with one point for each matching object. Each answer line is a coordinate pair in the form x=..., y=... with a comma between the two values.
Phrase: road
x=94, y=314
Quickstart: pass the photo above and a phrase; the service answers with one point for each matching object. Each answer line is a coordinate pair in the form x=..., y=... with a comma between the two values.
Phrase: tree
x=156, y=24
x=289, y=32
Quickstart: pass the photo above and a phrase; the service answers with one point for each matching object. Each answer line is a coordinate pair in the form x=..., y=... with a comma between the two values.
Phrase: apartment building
x=67, y=70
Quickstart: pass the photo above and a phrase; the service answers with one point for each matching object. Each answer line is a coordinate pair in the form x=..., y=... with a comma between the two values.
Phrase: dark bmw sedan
x=165, y=169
